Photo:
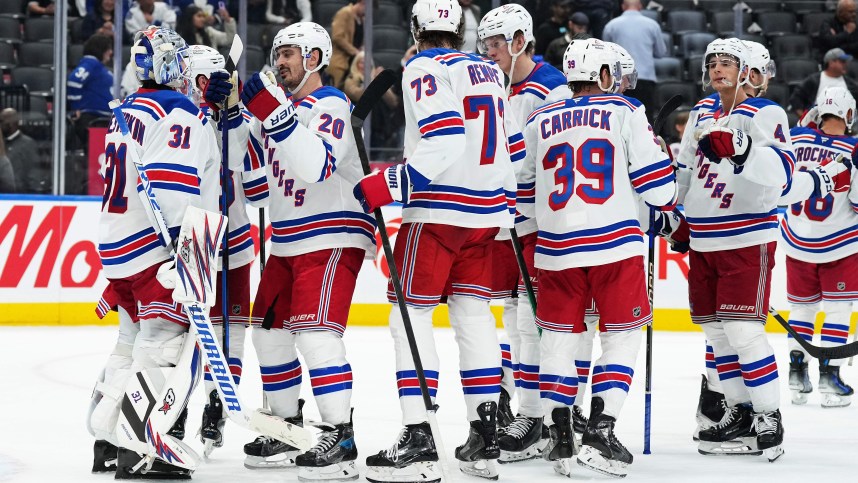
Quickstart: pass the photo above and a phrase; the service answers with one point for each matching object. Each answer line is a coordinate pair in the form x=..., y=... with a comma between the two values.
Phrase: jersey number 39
x=594, y=160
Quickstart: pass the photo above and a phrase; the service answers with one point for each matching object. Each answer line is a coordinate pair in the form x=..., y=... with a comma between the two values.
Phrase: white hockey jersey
x=544, y=85
x=825, y=229
x=590, y=156
x=174, y=143
x=312, y=170
x=459, y=142
x=733, y=207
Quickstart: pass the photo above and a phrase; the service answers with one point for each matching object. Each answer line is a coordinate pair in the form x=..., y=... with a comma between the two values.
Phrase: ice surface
x=49, y=374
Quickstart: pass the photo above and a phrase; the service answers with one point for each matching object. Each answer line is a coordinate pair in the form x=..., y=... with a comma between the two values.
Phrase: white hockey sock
x=558, y=382
x=237, y=333
x=584, y=355
x=330, y=373
x=528, y=397
x=802, y=318
x=727, y=364
x=479, y=353
x=613, y=371
x=757, y=358
x=510, y=345
x=712, y=379
x=410, y=397
x=280, y=369
x=835, y=329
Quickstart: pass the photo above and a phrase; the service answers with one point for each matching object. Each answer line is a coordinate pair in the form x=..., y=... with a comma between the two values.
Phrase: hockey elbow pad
x=382, y=188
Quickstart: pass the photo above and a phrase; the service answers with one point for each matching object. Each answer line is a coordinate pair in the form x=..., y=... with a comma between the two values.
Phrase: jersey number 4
x=594, y=160
x=114, y=176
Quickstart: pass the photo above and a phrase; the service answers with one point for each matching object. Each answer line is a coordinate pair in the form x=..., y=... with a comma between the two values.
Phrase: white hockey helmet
x=505, y=20
x=627, y=65
x=307, y=36
x=760, y=59
x=160, y=54
x=837, y=101
x=204, y=60
x=584, y=59
x=435, y=15
x=731, y=47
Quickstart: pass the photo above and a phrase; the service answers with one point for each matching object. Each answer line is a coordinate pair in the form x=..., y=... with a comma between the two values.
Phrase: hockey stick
x=202, y=327
x=371, y=95
x=840, y=352
x=650, y=288
x=666, y=110
x=522, y=267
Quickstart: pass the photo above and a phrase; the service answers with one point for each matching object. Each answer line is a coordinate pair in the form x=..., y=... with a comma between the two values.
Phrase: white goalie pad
x=196, y=256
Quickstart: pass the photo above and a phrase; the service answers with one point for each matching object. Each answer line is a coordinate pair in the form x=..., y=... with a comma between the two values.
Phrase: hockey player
x=320, y=238
x=173, y=143
x=249, y=185
x=731, y=179
x=457, y=187
x=820, y=245
x=506, y=37
x=594, y=153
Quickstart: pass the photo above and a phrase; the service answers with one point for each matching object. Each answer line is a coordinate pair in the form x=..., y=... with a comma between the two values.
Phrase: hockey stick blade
x=372, y=94
x=235, y=52
x=840, y=352
x=666, y=110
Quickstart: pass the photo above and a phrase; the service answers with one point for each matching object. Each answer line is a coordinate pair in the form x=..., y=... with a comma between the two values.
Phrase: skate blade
x=421, y=472
x=208, y=447
x=835, y=400
x=282, y=460
x=798, y=397
x=563, y=466
x=737, y=447
x=481, y=468
x=344, y=471
x=529, y=453
x=773, y=453
x=592, y=459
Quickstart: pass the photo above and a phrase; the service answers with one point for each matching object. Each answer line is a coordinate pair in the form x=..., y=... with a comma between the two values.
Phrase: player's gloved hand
x=268, y=103
x=810, y=118
x=383, y=187
x=218, y=89
x=673, y=228
x=167, y=274
x=840, y=171
x=723, y=142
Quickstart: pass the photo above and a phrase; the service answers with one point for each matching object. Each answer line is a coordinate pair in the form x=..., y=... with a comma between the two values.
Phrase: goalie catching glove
x=268, y=103
x=383, y=187
x=724, y=142
x=673, y=228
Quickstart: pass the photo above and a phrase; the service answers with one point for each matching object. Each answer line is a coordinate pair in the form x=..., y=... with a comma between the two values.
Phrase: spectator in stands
x=90, y=85
x=347, y=39
x=576, y=26
x=7, y=174
x=38, y=8
x=385, y=120
x=354, y=84
x=288, y=11
x=195, y=27
x=471, y=15
x=679, y=124
x=641, y=37
x=841, y=31
x=835, y=66
x=554, y=27
x=149, y=12
x=32, y=174
x=600, y=12
x=100, y=21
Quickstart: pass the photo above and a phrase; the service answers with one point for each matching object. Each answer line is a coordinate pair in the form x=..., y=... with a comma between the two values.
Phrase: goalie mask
x=306, y=36
x=435, y=15
x=838, y=102
x=160, y=55
x=584, y=60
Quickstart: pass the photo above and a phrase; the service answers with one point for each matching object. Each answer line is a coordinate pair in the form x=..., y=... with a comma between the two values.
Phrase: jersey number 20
x=594, y=159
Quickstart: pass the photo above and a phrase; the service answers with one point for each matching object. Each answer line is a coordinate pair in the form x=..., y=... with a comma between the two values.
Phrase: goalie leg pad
x=757, y=360
x=109, y=389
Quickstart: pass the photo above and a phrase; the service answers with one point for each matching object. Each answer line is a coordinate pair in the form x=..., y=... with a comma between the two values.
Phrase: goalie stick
x=371, y=96
x=840, y=352
x=202, y=327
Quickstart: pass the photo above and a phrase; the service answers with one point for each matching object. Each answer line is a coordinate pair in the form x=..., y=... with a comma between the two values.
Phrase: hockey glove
x=382, y=188
x=810, y=118
x=167, y=274
x=673, y=228
x=724, y=142
x=218, y=89
x=268, y=103
x=840, y=171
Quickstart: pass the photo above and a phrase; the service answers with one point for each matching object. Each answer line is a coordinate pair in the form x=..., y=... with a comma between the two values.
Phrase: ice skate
x=770, y=434
x=505, y=415
x=711, y=408
x=562, y=445
x=332, y=458
x=735, y=435
x=579, y=422
x=104, y=457
x=211, y=429
x=521, y=440
x=178, y=429
x=412, y=459
x=799, y=380
x=478, y=455
x=835, y=392
x=269, y=453
x=601, y=451
x=127, y=460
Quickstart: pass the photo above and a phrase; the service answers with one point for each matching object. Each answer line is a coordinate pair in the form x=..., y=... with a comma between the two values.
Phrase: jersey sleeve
x=515, y=142
x=650, y=170
x=313, y=150
x=771, y=161
x=437, y=111
x=255, y=186
x=685, y=158
x=853, y=186
x=76, y=81
x=526, y=193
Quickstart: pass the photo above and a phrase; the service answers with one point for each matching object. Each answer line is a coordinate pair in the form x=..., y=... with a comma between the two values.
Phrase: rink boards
x=50, y=273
